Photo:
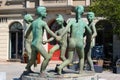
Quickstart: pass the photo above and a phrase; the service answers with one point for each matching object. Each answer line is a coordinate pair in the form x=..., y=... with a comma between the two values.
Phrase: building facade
x=12, y=25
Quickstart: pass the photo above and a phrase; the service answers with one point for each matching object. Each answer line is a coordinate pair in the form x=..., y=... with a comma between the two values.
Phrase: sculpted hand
x=44, y=42
x=58, y=38
x=92, y=38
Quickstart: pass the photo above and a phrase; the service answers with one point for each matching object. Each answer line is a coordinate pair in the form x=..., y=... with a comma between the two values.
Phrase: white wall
x=4, y=38
x=4, y=33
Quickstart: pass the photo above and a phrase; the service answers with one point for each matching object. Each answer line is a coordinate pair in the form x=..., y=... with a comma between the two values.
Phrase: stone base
x=67, y=76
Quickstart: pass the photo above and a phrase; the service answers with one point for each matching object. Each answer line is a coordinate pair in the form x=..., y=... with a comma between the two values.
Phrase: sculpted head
x=90, y=16
x=59, y=19
x=41, y=11
x=28, y=18
x=79, y=9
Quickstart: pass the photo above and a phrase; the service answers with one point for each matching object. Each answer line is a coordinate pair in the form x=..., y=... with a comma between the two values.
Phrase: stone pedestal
x=66, y=76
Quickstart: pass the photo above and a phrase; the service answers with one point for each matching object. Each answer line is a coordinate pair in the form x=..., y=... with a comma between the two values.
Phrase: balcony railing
x=14, y=1
x=55, y=2
x=11, y=4
x=65, y=2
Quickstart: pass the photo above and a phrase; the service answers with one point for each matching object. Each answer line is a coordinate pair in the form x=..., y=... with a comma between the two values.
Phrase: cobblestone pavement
x=14, y=70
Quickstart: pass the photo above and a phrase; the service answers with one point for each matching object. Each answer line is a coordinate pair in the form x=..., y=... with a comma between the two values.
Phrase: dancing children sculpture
x=37, y=28
x=90, y=39
x=77, y=29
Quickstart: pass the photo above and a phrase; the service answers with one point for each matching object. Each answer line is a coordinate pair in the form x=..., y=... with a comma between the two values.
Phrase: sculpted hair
x=40, y=9
x=59, y=17
x=79, y=7
x=28, y=17
x=91, y=13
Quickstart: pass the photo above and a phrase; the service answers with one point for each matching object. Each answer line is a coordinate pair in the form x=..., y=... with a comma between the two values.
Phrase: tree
x=109, y=9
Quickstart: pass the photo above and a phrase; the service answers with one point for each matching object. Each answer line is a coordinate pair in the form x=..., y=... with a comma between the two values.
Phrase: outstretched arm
x=50, y=39
x=28, y=31
x=49, y=31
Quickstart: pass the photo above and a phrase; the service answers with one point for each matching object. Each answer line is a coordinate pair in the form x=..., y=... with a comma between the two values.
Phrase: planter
x=98, y=68
x=116, y=69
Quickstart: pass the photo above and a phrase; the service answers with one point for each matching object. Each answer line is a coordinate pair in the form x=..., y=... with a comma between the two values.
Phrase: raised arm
x=66, y=29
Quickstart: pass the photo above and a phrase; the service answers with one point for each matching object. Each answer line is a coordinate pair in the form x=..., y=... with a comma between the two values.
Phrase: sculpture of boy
x=77, y=28
x=62, y=44
x=37, y=28
x=28, y=19
x=90, y=39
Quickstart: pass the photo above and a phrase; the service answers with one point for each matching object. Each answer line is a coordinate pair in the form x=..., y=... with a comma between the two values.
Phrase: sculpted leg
x=28, y=48
x=32, y=60
x=62, y=54
x=80, y=52
x=54, y=48
x=44, y=53
x=88, y=55
x=87, y=47
x=90, y=60
x=66, y=62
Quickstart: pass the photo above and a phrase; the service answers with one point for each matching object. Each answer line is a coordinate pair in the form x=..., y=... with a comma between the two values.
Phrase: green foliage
x=110, y=9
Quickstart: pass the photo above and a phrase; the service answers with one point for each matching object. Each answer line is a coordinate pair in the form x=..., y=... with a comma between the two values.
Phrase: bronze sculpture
x=37, y=28
x=89, y=39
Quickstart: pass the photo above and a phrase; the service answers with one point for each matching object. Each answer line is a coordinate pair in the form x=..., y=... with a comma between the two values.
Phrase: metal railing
x=14, y=0
x=55, y=2
x=65, y=2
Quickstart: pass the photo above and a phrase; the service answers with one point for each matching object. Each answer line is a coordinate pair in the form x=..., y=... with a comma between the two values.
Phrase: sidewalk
x=15, y=69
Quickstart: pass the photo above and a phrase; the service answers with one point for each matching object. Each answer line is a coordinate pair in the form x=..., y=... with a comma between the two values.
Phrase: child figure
x=37, y=28
x=62, y=44
x=89, y=39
